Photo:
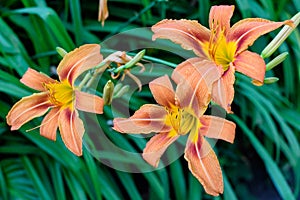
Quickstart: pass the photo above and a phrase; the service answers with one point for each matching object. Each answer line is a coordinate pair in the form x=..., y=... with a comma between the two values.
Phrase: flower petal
x=119, y=57
x=71, y=130
x=204, y=165
x=163, y=91
x=103, y=11
x=188, y=33
x=246, y=31
x=36, y=80
x=156, y=146
x=219, y=18
x=50, y=124
x=218, y=128
x=223, y=91
x=252, y=65
x=88, y=102
x=79, y=60
x=27, y=108
x=149, y=118
x=195, y=78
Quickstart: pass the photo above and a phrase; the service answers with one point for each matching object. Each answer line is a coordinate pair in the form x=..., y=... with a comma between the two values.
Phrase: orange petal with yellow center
x=218, y=128
x=26, y=109
x=223, y=91
x=219, y=18
x=195, y=78
x=162, y=91
x=156, y=146
x=36, y=80
x=246, y=31
x=251, y=64
x=50, y=124
x=71, y=130
x=79, y=60
x=88, y=102
x=188, y=33
x=103, y=11
x=149, y=118
x=204, y=165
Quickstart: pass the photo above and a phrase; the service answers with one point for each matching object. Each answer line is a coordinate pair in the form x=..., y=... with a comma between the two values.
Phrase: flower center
x=61, y=94
x=183, y=120
x=219, y=50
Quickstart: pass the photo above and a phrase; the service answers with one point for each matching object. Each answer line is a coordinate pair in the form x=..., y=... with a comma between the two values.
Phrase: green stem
x=157, y=60
x=85, y=80
x=90, y=77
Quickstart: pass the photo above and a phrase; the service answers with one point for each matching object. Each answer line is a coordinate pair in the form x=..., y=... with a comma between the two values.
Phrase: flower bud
x=270, y=80
x=61, y=51
x=281, y=36
x=108, y=92
x=276, y=61
x=122, y=91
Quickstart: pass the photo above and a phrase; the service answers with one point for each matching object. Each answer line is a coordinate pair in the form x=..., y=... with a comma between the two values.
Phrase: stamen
x=60, y=93
x=28, y=130
x=181, y=120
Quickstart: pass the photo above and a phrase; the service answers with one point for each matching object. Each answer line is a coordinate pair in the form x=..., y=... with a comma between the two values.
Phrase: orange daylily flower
x=61, y=97
x=224, y=45
x=181, y=112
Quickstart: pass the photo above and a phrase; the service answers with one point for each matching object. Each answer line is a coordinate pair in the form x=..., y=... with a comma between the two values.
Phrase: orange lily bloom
x=224, y=45
x=181, y=112
x=61, y=97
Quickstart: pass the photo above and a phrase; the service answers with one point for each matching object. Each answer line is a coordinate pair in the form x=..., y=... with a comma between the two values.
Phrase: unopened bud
x=118, y=86
x=61, y=51
x=108, y=92
x=281, y=36
x=121, y=91
x=270, y=80
x=276, y=61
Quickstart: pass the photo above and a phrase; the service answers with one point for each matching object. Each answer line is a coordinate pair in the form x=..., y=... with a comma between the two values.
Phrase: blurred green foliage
x=263, y=163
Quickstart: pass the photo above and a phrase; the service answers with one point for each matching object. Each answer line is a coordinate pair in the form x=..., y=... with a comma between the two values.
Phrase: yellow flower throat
x=61, y=94
x=220, y=50
x=183, y=121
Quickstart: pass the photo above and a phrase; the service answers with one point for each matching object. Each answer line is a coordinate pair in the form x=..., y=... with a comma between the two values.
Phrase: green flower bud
x=61, y=51
x=122, y=91
x=108, y=92
x=270, y=80
x=280, y=37
x=276, y=61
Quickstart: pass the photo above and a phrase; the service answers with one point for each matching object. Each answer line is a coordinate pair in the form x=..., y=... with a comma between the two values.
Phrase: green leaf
x=77, y=21
x=195, y=188
x=50, y=17
x=128, y=183
x=75, y=188
x=43, y=193
x=14, y=55
x=57, y=178
x=3, y=187
x=92, y=170
x=12, y=86
x=229, y=193
x=274, y=172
